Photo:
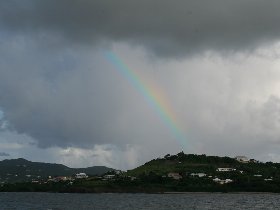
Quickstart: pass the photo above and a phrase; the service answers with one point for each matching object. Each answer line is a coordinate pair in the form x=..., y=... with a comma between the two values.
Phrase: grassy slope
x=183, y=164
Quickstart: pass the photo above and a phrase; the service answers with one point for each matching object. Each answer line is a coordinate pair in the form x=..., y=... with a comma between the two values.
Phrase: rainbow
x=152, y=95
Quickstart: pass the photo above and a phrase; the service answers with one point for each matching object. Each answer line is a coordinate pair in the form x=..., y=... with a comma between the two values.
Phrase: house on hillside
x=242, y=159
x=225, y=169
x=198, y=175
x=118, y=172
x=175, y=176
x=222, y=181
x=268, y=179
x=59, y=179
x=81, y=176
x=109, y=177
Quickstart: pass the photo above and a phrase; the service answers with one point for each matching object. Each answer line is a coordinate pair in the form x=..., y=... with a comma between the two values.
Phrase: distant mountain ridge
x=16, y=170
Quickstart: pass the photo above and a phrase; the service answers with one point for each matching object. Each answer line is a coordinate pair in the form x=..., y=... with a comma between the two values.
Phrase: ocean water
x=199, y=201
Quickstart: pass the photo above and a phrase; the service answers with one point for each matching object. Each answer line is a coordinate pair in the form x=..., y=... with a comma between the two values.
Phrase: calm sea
x=39, y=201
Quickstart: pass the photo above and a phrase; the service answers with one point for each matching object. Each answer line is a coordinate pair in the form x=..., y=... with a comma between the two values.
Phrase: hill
x=183, y=163
x=15, y=170
x=172, y=173
x=186, y=164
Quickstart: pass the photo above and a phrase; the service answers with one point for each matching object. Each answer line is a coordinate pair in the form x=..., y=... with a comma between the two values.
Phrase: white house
x=81, y=176
x=270, y=179
x=242, y=159
x=109, y=176
x=198, y=174
x=226, y=181
x=225, y=169
x=222, y=181
x=118, y=172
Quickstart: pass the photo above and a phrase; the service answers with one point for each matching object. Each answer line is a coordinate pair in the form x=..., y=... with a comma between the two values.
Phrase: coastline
x=155, y=193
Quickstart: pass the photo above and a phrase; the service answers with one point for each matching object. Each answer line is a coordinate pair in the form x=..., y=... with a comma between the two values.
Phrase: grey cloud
x=166, y=27
x=4, y=154
x=271, y=113
x=71, y=98
x=75, y=98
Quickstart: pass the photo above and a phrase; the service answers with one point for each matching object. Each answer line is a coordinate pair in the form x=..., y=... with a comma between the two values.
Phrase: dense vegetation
x=152, y=177
x=190, y=163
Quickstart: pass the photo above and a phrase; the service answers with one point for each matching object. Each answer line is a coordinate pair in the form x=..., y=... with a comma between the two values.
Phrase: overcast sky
x=217, y=65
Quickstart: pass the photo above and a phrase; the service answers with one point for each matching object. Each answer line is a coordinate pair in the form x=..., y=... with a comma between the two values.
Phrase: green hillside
x=172, y=173
x=191, y=163
x=16, y=170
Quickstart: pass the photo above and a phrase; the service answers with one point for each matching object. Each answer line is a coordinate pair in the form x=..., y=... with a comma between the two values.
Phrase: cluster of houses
x=63, y=178
x=241, y=159
x=70, y=178
x=177, y=176
x=106, y=177
x=79, y=176
x=111, y=177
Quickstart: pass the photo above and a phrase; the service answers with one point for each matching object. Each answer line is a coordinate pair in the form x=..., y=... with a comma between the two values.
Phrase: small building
x=175, y=176
x=59, y=179
x=216, y=180
x=226, y=181
x=118, y=172
x=132, y=178
x=222, y=181
x=269, y=179
x=81, y=176
x=198, y=175
x=225, y=169
x=242, y=159
x=109, y=176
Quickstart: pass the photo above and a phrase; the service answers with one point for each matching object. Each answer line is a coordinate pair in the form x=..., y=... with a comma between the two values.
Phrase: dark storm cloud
x=166, y=27
x=68, y=97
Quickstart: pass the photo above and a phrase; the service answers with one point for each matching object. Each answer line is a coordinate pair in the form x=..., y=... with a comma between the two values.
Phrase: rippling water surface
x=138, y=201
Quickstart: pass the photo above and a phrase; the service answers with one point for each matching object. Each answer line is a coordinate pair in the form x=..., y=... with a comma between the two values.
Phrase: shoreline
x=155, y=193
x=221, y=192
